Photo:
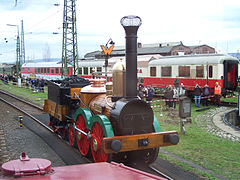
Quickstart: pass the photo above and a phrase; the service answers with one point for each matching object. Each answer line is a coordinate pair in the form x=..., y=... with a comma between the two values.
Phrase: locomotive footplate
x=139, y=141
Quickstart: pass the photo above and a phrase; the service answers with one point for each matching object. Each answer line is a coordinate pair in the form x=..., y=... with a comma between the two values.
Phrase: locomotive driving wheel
x=82, y=140
x=96, y=144
x=146, y=156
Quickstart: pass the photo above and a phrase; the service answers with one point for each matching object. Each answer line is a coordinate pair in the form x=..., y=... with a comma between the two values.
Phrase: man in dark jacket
x=149, y=95
x=206, y=93
x=197, y=95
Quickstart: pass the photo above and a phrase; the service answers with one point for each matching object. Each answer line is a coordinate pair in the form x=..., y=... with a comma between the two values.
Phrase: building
x=163, y=49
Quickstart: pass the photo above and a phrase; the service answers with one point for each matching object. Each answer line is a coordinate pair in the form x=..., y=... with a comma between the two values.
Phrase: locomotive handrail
x=82, y=102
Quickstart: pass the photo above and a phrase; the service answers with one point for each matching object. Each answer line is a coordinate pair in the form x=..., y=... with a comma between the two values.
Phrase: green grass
x=27, y=93
x=207, y=150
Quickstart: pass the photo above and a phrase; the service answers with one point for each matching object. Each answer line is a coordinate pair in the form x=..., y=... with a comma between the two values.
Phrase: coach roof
x=192, y=59
x=43, y=64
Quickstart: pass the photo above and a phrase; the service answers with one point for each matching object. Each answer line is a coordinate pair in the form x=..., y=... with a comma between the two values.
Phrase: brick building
x=163, y=49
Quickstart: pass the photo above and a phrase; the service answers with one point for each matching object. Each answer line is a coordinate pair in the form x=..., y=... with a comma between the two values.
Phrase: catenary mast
x=69, y=43
x=22, y=53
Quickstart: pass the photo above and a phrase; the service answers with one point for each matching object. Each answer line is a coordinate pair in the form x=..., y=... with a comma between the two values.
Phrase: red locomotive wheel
x=71, y=135
x=96, y=144
x=82, y=140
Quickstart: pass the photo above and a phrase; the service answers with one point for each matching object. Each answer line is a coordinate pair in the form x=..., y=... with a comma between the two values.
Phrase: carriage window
x=152, y=71
x=99, y=69
x=184, y=71
x=48, y=70
x=45, y=70
x=199, y=71
x=38, y=70
x=62, y=71
x=41, y=70
x=28, y=70
x=68, y=71
x=57, y=70
x=52, y=70
x=91, y=70
x=166, y=71
x=35, y=70
x=210, y=71
x=85, y=71
x=80, y=71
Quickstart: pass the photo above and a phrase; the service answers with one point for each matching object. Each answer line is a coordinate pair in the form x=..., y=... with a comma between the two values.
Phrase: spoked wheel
x=146, y=156
x=150, y=155
x=96, y=144
x=82, y=140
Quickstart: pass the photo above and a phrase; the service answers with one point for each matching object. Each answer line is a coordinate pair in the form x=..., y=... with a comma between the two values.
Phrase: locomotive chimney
x=131, y=25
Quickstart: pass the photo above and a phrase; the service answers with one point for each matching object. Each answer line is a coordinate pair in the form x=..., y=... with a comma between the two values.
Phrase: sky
x=212, y=22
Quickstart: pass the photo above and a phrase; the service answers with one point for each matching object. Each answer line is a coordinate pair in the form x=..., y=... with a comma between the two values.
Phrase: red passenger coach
x=45, y=70
x=154, y=70
x=192, y=69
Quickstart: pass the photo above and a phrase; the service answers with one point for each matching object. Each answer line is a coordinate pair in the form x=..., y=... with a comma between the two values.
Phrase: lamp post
x=17, y=49
x=131, y=25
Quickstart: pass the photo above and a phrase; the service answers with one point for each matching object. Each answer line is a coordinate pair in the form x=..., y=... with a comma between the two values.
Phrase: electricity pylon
x=18, y=66
x=22, y=53
x=69, y=43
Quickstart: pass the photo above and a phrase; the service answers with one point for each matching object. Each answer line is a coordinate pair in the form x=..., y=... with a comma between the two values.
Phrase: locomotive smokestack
x=131, y=25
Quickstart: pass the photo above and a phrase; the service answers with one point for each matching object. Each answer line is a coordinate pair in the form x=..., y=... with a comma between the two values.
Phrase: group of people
x=201, y=95
x=147, y=93
x=172, y=93
x=37, y=85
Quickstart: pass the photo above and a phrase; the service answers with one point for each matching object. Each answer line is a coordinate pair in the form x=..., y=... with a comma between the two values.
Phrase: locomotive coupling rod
x=86, y=134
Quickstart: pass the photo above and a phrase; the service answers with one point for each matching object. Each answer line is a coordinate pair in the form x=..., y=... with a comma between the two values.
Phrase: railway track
x=69, y=155
x=25, y=107
x=36, y=120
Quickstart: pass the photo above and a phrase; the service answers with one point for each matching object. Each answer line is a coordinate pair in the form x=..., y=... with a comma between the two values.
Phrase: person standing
x=197, y=95
x=175, y=96
x=206, y=93
x=141, y=93
x=149, y=95
x=182, y=90
x=170, y=96
x=217, y=93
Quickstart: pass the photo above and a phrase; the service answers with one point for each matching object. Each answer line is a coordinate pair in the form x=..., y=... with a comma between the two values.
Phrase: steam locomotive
x=108, y=120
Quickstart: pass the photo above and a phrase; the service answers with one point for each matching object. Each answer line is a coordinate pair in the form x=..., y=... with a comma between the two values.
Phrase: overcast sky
x=212, y=22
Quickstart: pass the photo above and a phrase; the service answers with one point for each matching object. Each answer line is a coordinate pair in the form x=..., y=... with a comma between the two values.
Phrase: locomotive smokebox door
x=184, y=107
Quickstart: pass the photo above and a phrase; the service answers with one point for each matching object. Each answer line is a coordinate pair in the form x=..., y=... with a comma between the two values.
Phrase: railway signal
x=107, y=51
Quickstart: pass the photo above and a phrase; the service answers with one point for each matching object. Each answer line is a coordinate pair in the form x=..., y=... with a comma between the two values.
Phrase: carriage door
x=230, y=74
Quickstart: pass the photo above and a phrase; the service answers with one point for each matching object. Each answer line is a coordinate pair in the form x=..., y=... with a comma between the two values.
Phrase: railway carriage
x=155, y=70
x=45, y=70
x=191, y=69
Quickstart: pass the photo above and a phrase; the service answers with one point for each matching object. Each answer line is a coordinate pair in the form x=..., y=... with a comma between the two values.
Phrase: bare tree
x=46, y=53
